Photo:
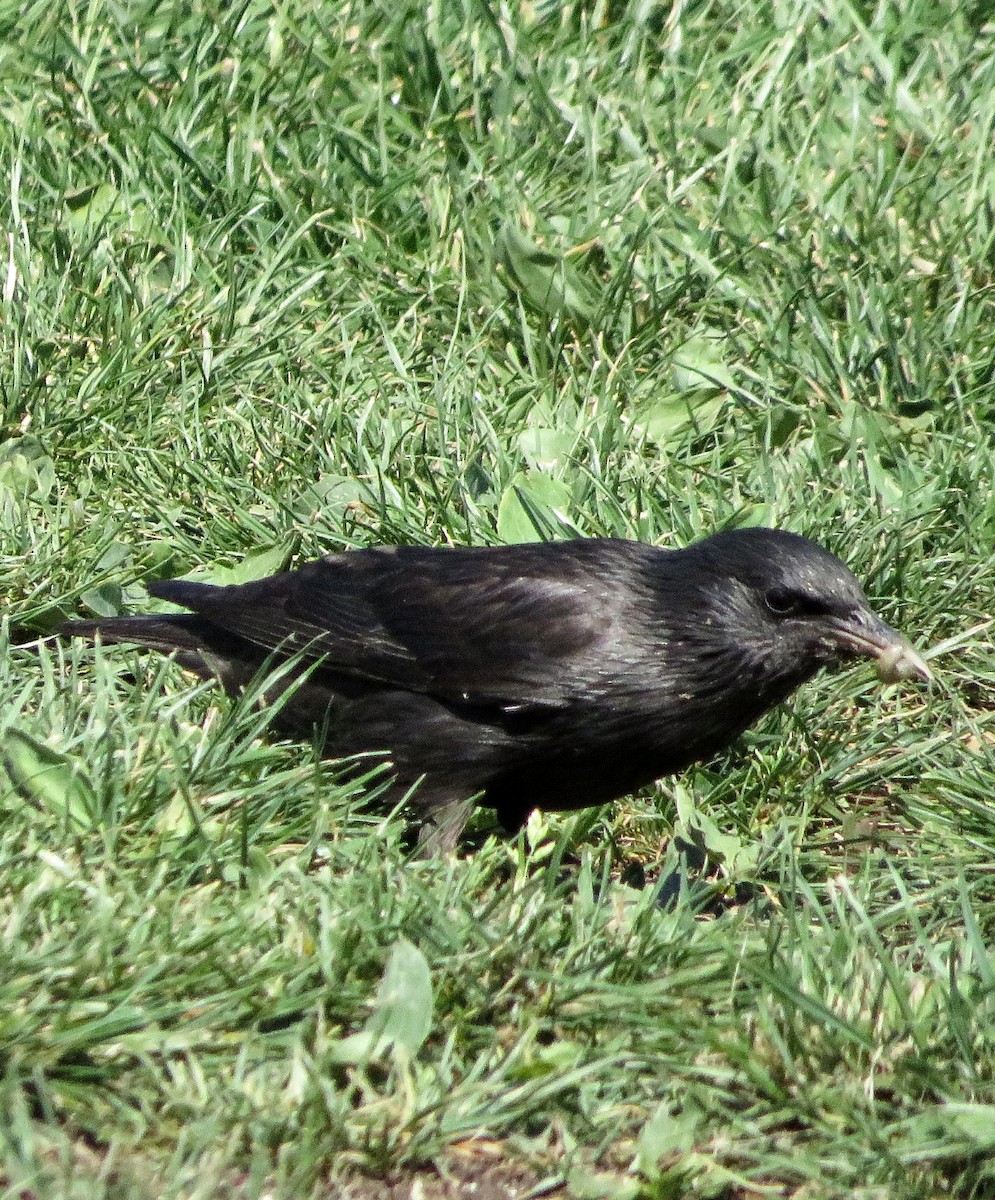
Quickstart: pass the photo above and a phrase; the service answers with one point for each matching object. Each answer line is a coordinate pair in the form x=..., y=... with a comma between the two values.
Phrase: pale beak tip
x=899, y=662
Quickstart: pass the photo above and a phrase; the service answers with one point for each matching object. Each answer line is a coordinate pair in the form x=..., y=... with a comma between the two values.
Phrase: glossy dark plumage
x=553, y=675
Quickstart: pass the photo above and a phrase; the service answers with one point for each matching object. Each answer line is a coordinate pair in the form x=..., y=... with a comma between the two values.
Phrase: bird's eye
x=783, y=602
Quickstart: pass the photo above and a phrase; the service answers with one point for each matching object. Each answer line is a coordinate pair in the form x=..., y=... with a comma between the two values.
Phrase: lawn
x=279, y=280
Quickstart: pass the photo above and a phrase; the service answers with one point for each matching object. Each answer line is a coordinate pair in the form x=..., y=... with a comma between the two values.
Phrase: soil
x=475, y=1172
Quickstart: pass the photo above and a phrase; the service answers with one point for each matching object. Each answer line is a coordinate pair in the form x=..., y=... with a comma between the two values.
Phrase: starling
x=553, y=675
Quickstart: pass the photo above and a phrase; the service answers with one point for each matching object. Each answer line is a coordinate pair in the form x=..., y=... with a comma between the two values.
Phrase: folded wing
x=503, y=626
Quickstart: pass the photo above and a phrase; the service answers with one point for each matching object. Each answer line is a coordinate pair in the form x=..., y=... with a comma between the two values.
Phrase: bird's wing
x=510, y=627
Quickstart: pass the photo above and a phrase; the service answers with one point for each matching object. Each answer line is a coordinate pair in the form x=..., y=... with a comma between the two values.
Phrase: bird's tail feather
x=164, y=633
x=193, y=642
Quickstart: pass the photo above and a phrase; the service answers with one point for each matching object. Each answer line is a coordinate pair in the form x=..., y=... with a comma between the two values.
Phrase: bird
x=550, y=675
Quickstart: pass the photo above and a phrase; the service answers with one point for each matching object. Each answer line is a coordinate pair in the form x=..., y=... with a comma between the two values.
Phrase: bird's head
x=791, y=607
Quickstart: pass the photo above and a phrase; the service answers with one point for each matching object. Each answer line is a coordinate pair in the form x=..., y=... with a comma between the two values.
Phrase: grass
x=282, y=280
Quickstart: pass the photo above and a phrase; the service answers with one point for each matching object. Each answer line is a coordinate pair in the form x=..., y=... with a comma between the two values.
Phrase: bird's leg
x=441, y=832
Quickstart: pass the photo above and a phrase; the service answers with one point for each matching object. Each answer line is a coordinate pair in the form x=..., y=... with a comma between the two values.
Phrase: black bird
x=554, y=675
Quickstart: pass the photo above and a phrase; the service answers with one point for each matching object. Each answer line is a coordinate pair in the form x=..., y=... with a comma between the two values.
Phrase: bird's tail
x=199, y=645
x=156, y=632
x=195, y=643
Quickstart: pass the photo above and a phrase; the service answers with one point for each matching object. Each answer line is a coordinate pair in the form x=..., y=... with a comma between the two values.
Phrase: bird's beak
x=866, y=634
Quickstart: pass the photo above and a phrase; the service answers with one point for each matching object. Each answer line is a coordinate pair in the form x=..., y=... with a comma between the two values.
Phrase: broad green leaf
x=44, y=777
x=115, y=554
x=661, y=420
x=533, y=507
x=701, y=378
x=258, y=566
x=402, y=1009
x=90, y=205
x=252, y=567
x=104, y=600
x=726, y=848
x=750, y=516
x=26, y=469
x=975, y=1121
x=178, y=817
x=699, y=364
x=330, y=493
x=947, y=1131
x=28, y=448
x=882, y=481
x=665, y=1135
x=545, y=446
x=585, y=1184
x=559, y=1056
x=545, y=281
